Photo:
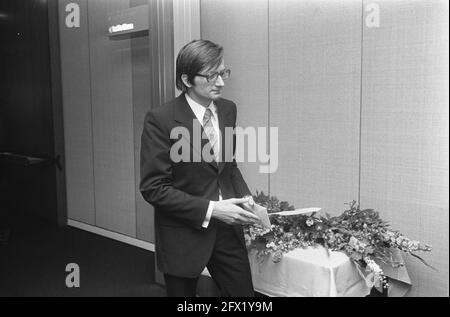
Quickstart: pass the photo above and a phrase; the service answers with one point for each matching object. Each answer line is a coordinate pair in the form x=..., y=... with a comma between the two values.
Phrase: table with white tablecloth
x=316, y=272
x=313, y=272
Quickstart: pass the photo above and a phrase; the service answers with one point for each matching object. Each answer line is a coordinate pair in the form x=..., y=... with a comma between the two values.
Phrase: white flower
x=309, y=222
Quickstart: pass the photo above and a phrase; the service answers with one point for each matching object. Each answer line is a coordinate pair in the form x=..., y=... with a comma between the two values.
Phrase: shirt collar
x=200, y=110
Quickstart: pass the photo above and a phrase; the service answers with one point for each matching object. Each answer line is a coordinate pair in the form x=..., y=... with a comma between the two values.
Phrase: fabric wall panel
x=74, y=48
x=141, y=104
x=315, y=64
x=241, y=28
x=112, y=116
x=404, y=154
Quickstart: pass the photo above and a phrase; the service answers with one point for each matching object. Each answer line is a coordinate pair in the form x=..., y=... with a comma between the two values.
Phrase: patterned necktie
x=211, y=133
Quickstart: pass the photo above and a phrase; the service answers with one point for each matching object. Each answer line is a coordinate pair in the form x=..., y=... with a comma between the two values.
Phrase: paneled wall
x=313, y=100
x=362, y=112
x=112, y=122
x=106, y=93
x=404, y=141
x=141, y=97
x=315, y=63
x=245, y=42
x=77, y=116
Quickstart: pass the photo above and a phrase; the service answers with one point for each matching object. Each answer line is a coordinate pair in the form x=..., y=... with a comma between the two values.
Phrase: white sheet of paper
x=297, y=211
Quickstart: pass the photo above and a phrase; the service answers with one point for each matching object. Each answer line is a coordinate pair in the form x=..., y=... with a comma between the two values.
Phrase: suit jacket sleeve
x=156, y=176
x=239, y=184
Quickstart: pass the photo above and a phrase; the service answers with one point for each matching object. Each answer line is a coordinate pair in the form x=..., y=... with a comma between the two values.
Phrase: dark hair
x=194, y=57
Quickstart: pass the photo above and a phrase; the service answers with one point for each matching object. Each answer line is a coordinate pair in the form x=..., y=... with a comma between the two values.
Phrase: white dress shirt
x=199, y=112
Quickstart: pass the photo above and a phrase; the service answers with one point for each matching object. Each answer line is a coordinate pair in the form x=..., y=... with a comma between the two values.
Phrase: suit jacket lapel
x=225, y=120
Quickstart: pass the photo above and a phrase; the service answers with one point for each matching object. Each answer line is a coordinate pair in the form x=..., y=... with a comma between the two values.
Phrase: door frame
x=57, y=109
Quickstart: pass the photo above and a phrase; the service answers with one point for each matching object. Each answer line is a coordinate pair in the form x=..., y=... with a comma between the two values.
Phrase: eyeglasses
x=211, y=78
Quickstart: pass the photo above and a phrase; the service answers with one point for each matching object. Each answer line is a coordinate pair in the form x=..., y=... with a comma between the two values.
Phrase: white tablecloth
x=312, y=272
x=308, y=272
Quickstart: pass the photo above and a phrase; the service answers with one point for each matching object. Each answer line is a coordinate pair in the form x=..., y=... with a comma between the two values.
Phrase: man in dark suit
x=200, y=198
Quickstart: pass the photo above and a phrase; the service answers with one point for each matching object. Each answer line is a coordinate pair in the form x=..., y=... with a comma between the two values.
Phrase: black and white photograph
x=224, y=153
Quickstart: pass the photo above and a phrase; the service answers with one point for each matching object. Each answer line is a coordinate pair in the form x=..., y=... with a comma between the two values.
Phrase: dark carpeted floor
x=34, y=258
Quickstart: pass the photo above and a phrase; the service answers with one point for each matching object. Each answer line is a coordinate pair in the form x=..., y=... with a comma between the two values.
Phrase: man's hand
x=228, y=212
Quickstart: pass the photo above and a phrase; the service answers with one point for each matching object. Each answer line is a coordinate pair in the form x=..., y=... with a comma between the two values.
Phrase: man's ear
x=184, y=79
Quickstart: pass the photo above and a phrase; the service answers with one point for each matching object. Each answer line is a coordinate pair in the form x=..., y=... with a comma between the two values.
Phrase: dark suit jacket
x=180, y=192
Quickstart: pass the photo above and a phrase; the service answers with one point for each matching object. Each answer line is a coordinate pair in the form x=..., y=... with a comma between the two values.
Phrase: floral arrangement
x=361, y=234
